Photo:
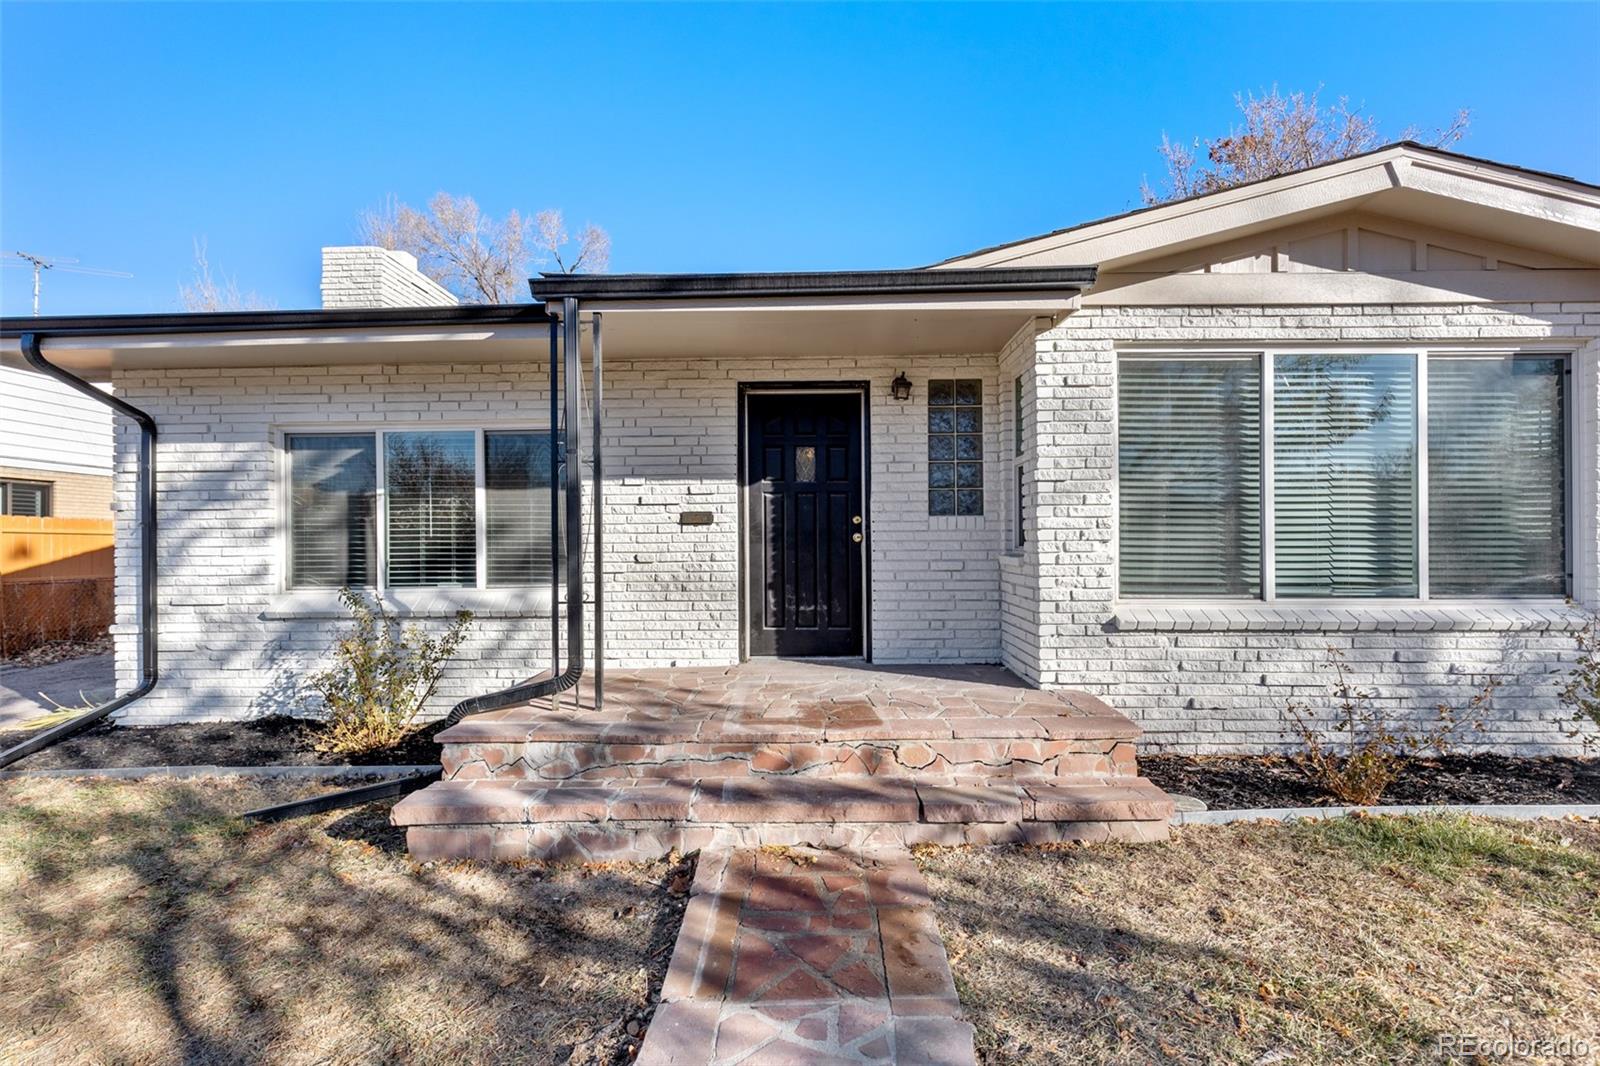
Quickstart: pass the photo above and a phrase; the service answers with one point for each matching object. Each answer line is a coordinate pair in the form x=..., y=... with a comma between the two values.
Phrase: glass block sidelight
x=955, y=447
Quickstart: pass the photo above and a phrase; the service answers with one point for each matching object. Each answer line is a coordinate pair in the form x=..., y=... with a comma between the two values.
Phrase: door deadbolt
x=856, y=520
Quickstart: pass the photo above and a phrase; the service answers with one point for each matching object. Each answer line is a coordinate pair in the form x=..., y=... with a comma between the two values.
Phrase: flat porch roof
x=825, y=313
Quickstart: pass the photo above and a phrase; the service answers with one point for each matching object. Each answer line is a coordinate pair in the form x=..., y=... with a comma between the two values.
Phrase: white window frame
x=1267, y=354
x=285, y=500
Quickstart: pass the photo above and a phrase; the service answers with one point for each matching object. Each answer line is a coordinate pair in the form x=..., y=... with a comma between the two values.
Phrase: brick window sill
x=1487, y=616
x=416, y=603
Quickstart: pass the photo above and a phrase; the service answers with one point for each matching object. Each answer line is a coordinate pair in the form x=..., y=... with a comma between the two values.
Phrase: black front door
x=805, y=525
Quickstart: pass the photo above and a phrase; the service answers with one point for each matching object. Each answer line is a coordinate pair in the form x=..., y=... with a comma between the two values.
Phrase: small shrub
x=381, y=676
x=1357, y=758
x=1580, y=694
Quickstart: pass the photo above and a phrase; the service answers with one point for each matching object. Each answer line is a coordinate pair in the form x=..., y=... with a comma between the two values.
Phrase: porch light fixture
x=900, y=387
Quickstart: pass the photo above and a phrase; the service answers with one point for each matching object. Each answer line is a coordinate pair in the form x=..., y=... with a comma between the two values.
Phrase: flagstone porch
x=785, y=752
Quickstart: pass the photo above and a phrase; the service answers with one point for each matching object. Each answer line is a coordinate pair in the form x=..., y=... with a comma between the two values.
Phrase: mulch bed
x=1241, y=782
x=273, y=741
x=1224, y=782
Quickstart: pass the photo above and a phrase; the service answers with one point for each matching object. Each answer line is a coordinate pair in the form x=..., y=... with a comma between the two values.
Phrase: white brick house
x=1168, y=458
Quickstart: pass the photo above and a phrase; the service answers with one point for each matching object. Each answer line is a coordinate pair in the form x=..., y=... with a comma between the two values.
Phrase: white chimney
x=360, y=276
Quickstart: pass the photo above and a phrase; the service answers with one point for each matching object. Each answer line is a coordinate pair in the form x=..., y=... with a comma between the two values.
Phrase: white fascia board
x=1346, y=288
x=1201, y=219
x=1308, y=193
x=1503, y=191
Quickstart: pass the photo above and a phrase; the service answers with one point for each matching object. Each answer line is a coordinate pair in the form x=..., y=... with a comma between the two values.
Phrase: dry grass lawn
x=142, y=923
x=1360, y=940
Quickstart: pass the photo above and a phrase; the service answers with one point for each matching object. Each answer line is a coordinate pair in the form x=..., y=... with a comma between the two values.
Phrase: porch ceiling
x=687, y=328
x=818, y=329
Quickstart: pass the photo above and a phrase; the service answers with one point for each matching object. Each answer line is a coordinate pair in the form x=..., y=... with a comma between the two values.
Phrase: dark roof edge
x=1413, y=145
x=916, y=282
x=270, y=321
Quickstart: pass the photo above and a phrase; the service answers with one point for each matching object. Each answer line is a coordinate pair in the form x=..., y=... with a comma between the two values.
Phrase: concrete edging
x=1513, y=811
x=136, y=773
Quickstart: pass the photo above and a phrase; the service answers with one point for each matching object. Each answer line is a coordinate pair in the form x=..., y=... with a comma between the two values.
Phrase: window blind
x=517, y=481
x=29, y=499
x=1189, y=468
x=1344, y=462
x=332, y=542
x=1496, y=476
x=430, y=480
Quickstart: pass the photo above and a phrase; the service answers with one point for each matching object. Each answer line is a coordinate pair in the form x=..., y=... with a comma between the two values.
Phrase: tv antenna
x=42, y=263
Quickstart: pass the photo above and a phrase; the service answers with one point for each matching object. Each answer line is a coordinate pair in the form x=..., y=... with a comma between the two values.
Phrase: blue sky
x=702, y=138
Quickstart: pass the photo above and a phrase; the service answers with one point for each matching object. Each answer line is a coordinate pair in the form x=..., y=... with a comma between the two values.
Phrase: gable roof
x=1517, y=205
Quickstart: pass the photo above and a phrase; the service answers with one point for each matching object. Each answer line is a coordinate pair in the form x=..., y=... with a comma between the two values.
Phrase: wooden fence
x=55, y=580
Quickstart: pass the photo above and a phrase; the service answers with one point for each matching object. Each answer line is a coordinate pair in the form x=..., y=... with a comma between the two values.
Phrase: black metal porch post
x=599, y=523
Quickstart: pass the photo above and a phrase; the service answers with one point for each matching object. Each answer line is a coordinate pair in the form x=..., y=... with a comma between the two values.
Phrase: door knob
x=856, y=537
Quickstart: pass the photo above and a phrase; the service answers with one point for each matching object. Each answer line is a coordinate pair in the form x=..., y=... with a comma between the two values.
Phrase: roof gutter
x=276, y=321
x=911, y=283
x=149, y=666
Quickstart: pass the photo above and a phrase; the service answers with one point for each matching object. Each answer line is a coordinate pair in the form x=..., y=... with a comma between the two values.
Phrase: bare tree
x=207, y=293
x=479, y=258
x=592, y=245
x=1281, y=134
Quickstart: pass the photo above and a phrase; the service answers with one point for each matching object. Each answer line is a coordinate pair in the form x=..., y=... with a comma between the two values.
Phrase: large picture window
x=1342, y=475
x=419, y=509
x=1497, y=476
x=1190, y=473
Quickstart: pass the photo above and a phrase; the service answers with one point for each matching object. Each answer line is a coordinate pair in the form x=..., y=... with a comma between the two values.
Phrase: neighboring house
x=1168, y=458
x=56, y=556
x=55, y=449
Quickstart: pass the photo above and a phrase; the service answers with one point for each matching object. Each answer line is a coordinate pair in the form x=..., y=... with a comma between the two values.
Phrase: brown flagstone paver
x=764, y=718
x=770, y=752
x=798, y=956
x=748, y=699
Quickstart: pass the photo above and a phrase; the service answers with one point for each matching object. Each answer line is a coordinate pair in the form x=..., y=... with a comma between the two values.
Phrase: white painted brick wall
x=364, y=276
x=943, y=588
x=670, y=446
x=1019, y=575
x=1225, y=691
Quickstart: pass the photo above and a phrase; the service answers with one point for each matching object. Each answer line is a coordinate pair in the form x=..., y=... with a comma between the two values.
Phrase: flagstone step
x=605, y=758
x=785, y=717
x=516, y=819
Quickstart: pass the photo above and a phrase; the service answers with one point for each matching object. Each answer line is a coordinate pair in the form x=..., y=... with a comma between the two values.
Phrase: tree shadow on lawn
x=370, y=825
x=161, y=929
x=1247, y=942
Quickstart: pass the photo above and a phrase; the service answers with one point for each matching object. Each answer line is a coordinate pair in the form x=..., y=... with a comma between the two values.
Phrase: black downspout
x=598, y=509
x=532, y=690
x=146, y=507
x=555, y=499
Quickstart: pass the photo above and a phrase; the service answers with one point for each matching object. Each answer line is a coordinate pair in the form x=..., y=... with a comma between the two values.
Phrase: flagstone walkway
x=791, y=956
